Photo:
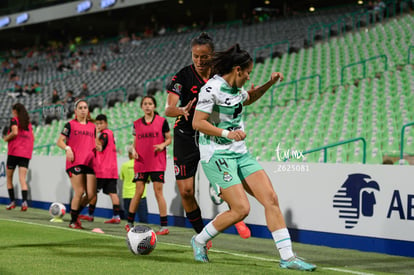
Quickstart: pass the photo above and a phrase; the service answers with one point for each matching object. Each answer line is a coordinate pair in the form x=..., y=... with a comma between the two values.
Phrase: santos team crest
x=356, y=197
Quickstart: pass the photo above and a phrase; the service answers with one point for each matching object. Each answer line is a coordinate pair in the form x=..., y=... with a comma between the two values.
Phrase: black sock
x=11, y=194
x=24, y=195
x=164, y=221
x=91, y=209
x=131, y=217
x=74, y=215
x=195, y=219
x=116, y=209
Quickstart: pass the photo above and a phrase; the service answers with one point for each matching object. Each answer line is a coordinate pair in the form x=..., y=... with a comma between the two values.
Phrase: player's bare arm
x=201, y=124
x=61, y=143
x=13, y=133
x=257, y=92
x=134, y=152
x=160, y=147
x=172, y=110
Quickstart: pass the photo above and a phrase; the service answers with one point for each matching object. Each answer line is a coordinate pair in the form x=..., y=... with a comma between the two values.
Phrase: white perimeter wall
x=306, y=197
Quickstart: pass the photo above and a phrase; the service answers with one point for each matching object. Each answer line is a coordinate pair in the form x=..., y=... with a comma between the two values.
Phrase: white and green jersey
x=225, y=106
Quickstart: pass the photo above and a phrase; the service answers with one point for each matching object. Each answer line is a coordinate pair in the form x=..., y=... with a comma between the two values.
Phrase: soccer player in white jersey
x=225, y=158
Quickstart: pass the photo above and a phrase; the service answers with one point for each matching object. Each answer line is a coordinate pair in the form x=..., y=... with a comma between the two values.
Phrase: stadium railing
x=409, y=54
x=271, y=46
x=106, y=93
x=164, y=79
x=61, y=76
x=295, y=82
x=326, y=29
x=47, y=146
x=364, y=65
x=390, y=9
x=326, y=147
x=50, y=110
x=402, y=138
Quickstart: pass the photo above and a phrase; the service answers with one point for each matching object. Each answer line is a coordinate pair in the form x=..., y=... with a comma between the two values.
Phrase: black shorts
x=13, y=161
x=108, y=186
x=80, y=169
x=186, y=154
x=155, y=176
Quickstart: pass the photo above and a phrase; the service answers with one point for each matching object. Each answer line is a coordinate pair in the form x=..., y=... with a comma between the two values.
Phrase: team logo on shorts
x=227, y=177
x=176, y=170
x=77, y=169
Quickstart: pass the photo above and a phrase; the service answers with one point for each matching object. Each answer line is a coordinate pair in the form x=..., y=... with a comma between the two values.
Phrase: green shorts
x=224, y=171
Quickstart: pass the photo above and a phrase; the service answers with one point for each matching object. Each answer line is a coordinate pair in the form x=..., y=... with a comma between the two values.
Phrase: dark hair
x=153, y=101
x=151, y=97
x=203, y=39
x=223, y=62
x=101, y=117
x=22, y=115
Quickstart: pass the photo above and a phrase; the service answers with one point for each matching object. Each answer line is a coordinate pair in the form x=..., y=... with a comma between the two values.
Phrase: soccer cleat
x=24, y=206
x=128, y=227
x=11, y=206
x=200, y=251
x=243, y=230
x=76, y=225
x=86, y=218
x=297, y=263
x=163, y=231
x=113, y=220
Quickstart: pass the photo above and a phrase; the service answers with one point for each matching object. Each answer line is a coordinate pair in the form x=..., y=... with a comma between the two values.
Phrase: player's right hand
x=69, y=155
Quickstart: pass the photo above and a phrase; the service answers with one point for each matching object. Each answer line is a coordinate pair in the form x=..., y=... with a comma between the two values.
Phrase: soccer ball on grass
x=57, y=210
x=141, y=240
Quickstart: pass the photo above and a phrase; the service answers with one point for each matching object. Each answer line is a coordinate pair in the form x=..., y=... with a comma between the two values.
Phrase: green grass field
x=31, y=244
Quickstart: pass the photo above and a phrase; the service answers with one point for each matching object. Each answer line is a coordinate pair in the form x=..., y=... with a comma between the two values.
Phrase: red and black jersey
x=81, y=138
x=103, y=137
x=186, y=84
x=22, y=144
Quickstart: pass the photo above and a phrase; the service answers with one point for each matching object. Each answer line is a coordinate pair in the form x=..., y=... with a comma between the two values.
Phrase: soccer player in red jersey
x=20, y=148
x=152, y=136
x=106, y=170
x=78, y=140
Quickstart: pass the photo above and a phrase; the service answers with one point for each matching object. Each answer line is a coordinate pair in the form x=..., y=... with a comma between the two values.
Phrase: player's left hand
x=237, y=135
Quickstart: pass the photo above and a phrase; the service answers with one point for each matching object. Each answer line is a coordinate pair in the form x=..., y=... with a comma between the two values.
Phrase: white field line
x=187, y=246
